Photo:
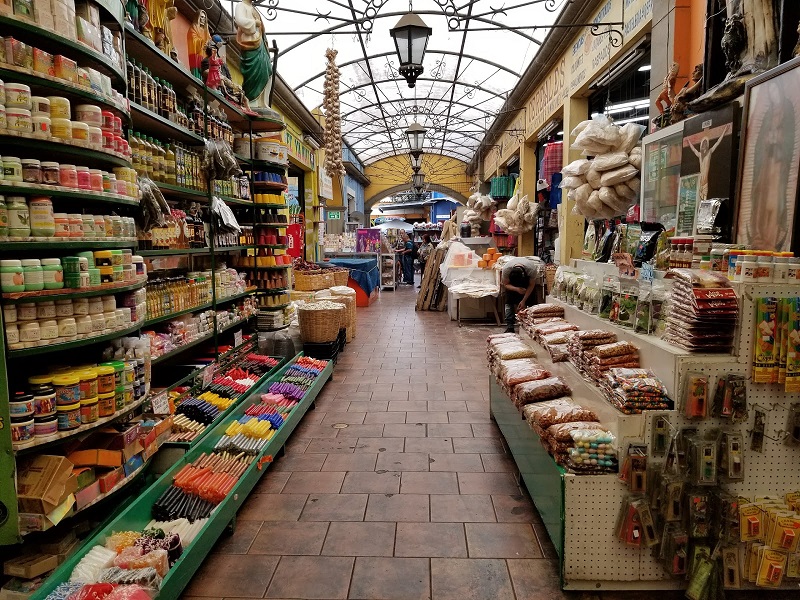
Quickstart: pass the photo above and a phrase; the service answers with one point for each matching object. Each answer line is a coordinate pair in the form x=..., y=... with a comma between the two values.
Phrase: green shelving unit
x=55, y=191
x=60, y=151
x=69, y=294
x=91, y=341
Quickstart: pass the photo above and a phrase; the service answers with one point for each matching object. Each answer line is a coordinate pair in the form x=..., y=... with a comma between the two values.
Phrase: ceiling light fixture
x=416, y=162
x=416, y=137
x=410, y=37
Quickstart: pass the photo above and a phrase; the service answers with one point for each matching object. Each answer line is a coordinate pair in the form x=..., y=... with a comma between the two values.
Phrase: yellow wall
x=391, y=172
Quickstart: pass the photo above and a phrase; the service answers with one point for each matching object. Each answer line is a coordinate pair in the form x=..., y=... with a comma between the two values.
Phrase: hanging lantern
x=416, y=162
x=410, y=37
x=418, y=181
x=416, y=136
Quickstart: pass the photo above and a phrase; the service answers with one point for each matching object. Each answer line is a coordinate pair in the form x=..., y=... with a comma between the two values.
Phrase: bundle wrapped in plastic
x=146, y=577
x=592, y=452
x=92, y=564
x=540, y=390
x=518, y=217
x=524, y=372
x=543, y=415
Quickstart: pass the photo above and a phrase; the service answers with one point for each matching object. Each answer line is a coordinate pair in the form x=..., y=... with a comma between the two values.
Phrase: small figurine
x=734, y=41
x=667, y=95
x=228, y=88
x=196, y=39
x=211, y=66
x=679, y=109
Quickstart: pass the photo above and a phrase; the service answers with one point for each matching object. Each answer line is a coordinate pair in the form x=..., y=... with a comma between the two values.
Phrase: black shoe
x=510, y=330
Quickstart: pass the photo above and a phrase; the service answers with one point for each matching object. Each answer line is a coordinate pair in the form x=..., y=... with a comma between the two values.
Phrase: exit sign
x=334, y=215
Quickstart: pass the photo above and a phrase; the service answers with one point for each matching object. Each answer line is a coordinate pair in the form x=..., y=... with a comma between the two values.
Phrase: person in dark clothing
x=407, y=259
x=519, y=282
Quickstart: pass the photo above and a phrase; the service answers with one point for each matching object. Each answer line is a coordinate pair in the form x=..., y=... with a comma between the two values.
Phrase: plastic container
x=49, y=330
x=21, y=405
x=26, y=311
x=22, y=430
x=95, y=138
x=34, y=276
x=18, y=214
x=71, y=265
x=12, y=169
x=90, y=411
x=45, y=426
x=12, y=276
x=105, y=405
x=18, y=95
x=95, y=184
x=42, y=126
x=59, y=107
x=80, y=306
x=67, y=388
x=76, y=221
x=94, y=277
x=68, y=176
x=88, y=227
x=749, y=270
x=96, y=306
x=129, y=374
x=88, y=383
x=12, y=335
x=119, y=369
x=128, y=394
x=46, y=310
x=84, y=179
x=766, y=267
x=119, y=398
x=61, y=128
x=53, y=275
x=31, y=170
x=109, y=303
x=105, y=379
x=84, y=325
x=42, y=220
x=69, y=416
x=10, y=313
x=67, y=328
x=89, y=114
x=64, y=308
x=19, y=120
x=98, y=324
x=111, y=320
x=45, y=402
x=102, y=258
x=40, y=106
x=50, y=173
x=99, y=226
x=106, y=275
x=80, y=131
x=30, y=334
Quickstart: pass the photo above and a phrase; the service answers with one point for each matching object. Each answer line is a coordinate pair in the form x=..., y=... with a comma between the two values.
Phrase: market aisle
x=396, y=487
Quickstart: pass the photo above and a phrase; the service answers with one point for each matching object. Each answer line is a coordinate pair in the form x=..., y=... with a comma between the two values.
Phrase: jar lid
x=47, y=303
x=10, y=159
x=22, y=397
x=31, y=262
x=49, y=164
x=102, y=254
x=87, y=374
x=69, y=407
x=52, y=261
x=95, y=130
x=40, y=379
x=66, y=379
x=89, y=401
x=30, y=162
x=10, y=263
x=76, y=215
x=137, y=259
x=117, y=365
x=44, y=419
x=61, y=216
x=80, y=125
x=88, y=107
x=104, y=370
x=82, y=169
x=106, y=396
x=95, y=171
x=68, y=167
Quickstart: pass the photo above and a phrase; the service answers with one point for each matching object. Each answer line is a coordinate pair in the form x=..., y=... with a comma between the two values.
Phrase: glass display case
x=661, y=174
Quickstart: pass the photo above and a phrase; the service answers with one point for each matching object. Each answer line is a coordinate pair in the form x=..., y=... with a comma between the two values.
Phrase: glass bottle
x=169, y=168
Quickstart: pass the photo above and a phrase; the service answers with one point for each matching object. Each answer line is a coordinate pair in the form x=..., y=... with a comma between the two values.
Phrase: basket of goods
x=320, y=321
x=308, y=277
x=340, y=275
x=347, y=296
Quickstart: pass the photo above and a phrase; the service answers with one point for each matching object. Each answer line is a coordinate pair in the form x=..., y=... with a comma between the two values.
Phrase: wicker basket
x=319, y=326
x=311, y=281
x=341, y=277
x=348, y=292
x=350, y=314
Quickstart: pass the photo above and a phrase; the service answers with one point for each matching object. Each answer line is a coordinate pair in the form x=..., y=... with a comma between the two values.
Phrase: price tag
x=237, y=338
x=647, y=273
x=208, y=375
x=160, y=403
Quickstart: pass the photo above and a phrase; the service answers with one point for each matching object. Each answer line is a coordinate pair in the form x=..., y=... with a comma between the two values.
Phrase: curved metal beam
x=366, y=137
x=454, y=195
x=456, y=102
x=465, y=158
x=427, y=52
x=450, y=81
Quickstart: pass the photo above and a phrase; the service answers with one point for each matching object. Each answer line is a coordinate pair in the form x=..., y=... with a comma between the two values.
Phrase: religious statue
x=196, y=39
x=256, y=63
x=667, y=93
x=734, y=40
x=162, y=12
x=211, y=67
x=796, y=51
x=229, y=89
x=690, y=91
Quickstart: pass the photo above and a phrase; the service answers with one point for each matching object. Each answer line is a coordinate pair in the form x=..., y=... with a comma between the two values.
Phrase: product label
x=764, y=343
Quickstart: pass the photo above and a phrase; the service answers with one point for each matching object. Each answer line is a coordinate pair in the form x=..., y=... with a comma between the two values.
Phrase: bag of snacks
x=514, y=350
x=521, y=373
x=540, y=390
x=553, y=412
x=561, y=432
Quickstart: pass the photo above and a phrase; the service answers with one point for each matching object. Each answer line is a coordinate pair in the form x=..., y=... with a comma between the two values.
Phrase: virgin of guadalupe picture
x=770, y=159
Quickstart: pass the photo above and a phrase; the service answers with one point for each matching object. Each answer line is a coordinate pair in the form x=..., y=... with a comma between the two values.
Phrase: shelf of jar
x=72, y=293
x=150, y=122
x=262, y=165
x=199, y=308
x=19, y=188
x=170, y=189
x=57, y=149
x=39, y=243
x=50, y=41
x=15, y=74
x=186, y=251
x=48, y=346
x=204, y=338
x=238, y=201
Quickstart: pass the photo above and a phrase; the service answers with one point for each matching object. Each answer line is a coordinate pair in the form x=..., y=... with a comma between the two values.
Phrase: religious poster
x=687, y=204
x=368, y=240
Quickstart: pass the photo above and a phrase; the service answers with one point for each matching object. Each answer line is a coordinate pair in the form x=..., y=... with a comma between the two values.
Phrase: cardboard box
x=131, y=465
x=30, y=566
x=96, y=457
x=6, y=7
x=89, y=11
x=43, y=62
x=65, y=68
x=124, y=435
x=85, y=477
x=110, y=479
x=87, y=495
x=43, y=483
x=58, y=543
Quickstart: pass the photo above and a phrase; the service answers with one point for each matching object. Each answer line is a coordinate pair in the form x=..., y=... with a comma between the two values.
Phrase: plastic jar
x=76, y=223
x=46, y=310
x=98, y=324
x=12, y=276
x=793, y=271
x=42, y=220
x=766, y=267
x=22, y=430
x=105, y=379
x=129, y=374
x=88, y=227
x=42, y=126
x=95, y=306
x=21, y=405
x=26, y=311
x=88, y=384
x=49, y=329
x=89, y=410
x=105, y=405
x=12, y=168
x=108, y=224
x=89, y=114
x=3, y=121
x=69, y=416
x=50, y=173
x=128, y=273
x=107, y=123
x=138, y=264
x=59, y=107
x=71, y=264
x=67, y=388
x=61, y=128
x=68, y=176
x=34, y=277
x=116, y=224
x=31, y=170
x=111, y=320
x=84, y=325
x=95, y=138
x=3, y=216
x=102, y=258
x=80, y=306
x=95, y=181
x=106, y=275
x=108, y=140
x=119, y=398
x=44, y=401
x=83, y=264
x=780, y=272
x=84, y=179
x=109, y=303
x=30, y=334
x=117, y=274
x=12, y=334
x=10, y=313
x=749, y=271
x=19, y=120
x=128, y=394
x=123, y=318
x=94, y=277
x=40, y=106
x=18, y=95
x=99, y=226
x=64, y=308
x=119, y=369
x=40, y=383
x=45, y=426
x=116, y=258
x=67, y=328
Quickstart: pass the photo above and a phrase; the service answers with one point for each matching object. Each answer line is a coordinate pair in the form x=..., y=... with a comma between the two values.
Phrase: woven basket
x=351, y=293
x=320, y=326
x=350, y=314
x=311, y=281
x=341, y=277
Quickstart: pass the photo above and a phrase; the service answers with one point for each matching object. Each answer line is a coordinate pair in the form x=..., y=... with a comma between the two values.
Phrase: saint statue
x=162, y=12
x=196, y=39
x=225, y=84
x=256, y=63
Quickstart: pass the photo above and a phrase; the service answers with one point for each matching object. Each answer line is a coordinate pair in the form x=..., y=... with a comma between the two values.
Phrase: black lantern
x=418, y=181
x=416, y=135
x=416, y=162
x=410, y=37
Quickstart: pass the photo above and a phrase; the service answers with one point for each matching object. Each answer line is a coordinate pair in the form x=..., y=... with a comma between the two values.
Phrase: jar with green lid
x=19, y=224
x=116, y=258
x=34, y=276
x=117, y=273
x=53, y=274
x=94, y=277
x=71, y=265
x=119, y=370
x=89, y=256
x=3, y=217
x=12, y=276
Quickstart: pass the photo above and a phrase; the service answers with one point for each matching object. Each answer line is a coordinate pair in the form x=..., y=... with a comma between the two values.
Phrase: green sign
x=334, y=215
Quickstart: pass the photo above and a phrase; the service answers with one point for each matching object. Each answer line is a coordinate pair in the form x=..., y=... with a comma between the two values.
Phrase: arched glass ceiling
x=473, y=61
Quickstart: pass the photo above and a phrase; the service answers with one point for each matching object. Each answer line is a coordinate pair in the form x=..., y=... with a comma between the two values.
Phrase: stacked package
x=539, y=391
x=593, y=452
x=552, y=332
x=607, y=356
x=581, y=342
x=510, y=373
x=506, y=346
x=543, y=311
x=635, y=390
x=702, y=312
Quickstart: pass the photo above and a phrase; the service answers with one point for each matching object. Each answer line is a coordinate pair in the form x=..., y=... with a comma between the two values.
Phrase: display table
x=365, y=277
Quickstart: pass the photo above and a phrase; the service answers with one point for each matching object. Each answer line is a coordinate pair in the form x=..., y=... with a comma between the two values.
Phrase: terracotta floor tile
x=284, y=538
x=470, y=417
x=371, y=483
x=429, y=483
x=298, y=462
x=385, y=444
x=272, y=507
x=355, y=396
x=536, y=579
x=481, y=406
x=406, y=431
x=489, y=430
x=391, y=396
x=314, y=483
x=339, y=445
x=368, y=406
x=479, y=445
x=502, y=540
x=385, y=417
x=334, y=507
x=317, y=430
x=426, y=417
x=296, y=445
x=360, y=539
x=487, y=483
x=457, y=463
x=515, y=508
x=398, y=508
x=470, y=579
x=473, y=395
x=391, y=579
x=427, y=540
x=447, y=406
x=357, y=431
x=499, y=463
x=350, y=418
x=238, y=575
x=429, y=445
x=241, y=539
x=449, y=430
x=402, y=461
x=331, y=578
x=458, y=509
x=271, y=482
x=350, y=462
x=408, y=405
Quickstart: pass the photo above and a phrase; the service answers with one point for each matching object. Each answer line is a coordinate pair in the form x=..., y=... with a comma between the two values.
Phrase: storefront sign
x=334, y=215
x=547, y=98
x=298, y=150
x=325, y=184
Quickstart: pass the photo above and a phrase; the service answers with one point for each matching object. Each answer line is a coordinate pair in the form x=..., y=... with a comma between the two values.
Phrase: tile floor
x=414, y=499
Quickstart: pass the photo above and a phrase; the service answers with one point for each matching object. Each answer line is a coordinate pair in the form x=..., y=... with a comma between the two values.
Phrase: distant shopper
x=520, y=276
x=407, y=259
x=425, y=250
